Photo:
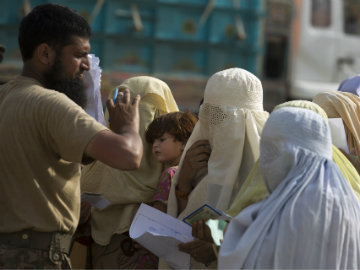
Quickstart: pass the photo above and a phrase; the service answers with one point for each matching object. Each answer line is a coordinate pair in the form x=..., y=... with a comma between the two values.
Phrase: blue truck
x=182, y=42
x=297, y=48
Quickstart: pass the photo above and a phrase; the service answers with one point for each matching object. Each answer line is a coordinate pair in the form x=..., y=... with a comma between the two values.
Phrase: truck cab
x=324, y=46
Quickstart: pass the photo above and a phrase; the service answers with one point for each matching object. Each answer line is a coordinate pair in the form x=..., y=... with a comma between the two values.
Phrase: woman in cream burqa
x=311, y=218
x=126, y=190
x=231, y=118
x=344, y=105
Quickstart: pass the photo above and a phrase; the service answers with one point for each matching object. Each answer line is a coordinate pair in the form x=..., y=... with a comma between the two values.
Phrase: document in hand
x=205, y=212
x=216, y=221
x=161, y=233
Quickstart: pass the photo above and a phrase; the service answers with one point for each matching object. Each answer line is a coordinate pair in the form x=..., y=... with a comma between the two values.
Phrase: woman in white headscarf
x=231, y=118
x=310, y=219
x=126, y=190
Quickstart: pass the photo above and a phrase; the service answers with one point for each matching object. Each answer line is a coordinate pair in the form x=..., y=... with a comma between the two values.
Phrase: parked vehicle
x=298, y=48
x=317, y=50
x=180, y=41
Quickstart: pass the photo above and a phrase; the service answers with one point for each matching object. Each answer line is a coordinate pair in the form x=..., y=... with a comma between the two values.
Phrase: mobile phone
x=115, y=94
x=114, y=98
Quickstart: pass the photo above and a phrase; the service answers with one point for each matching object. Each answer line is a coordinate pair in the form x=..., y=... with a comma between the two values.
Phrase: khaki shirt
x=42, y=141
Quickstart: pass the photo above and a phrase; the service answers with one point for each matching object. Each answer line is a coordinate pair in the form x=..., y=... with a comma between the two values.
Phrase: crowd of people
x=292, y=195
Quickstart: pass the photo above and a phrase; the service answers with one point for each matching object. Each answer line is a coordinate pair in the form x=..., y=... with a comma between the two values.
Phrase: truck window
x=277, y=31
x=352, y=17
x=321, y=13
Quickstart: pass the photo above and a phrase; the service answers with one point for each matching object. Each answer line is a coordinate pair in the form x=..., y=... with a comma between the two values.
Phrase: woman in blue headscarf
x=351, y=85
x=310, y=219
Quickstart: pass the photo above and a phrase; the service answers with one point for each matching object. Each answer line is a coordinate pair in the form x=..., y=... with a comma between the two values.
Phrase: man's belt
x=38, y=240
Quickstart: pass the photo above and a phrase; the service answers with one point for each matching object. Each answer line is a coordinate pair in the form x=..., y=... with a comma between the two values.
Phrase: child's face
x=167, y=150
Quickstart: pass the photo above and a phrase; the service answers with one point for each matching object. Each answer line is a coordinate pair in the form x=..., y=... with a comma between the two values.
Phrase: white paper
x=92, y=80
x=95, y=199
x=338, y=134
x=161, y=233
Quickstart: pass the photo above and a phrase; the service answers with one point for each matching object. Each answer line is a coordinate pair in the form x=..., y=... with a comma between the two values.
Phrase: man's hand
x=123, y=113
x=122, y=148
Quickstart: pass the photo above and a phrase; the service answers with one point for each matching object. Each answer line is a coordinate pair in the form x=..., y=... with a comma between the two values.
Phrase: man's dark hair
x=52, y=24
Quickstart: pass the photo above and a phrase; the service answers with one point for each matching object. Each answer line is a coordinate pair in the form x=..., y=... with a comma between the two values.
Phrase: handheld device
x=115, y=94
x=114, y=98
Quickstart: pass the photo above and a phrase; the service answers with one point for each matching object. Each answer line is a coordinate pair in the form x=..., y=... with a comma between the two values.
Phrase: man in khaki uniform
x=45, y=136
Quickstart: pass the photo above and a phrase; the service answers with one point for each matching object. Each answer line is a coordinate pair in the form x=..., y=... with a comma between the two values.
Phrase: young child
x=168, y=134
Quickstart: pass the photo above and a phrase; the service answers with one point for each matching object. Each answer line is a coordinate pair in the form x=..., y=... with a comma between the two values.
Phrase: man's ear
x=45, y=54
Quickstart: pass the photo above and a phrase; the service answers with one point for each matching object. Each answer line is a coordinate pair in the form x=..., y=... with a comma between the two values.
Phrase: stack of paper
x=161, y=234
x=92, y=81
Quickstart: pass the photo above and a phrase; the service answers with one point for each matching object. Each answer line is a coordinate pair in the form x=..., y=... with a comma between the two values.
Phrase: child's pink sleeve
x=163, y=188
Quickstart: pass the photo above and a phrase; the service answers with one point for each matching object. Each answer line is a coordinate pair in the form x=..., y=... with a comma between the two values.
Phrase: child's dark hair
x=178, y=124
x=52, y=24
